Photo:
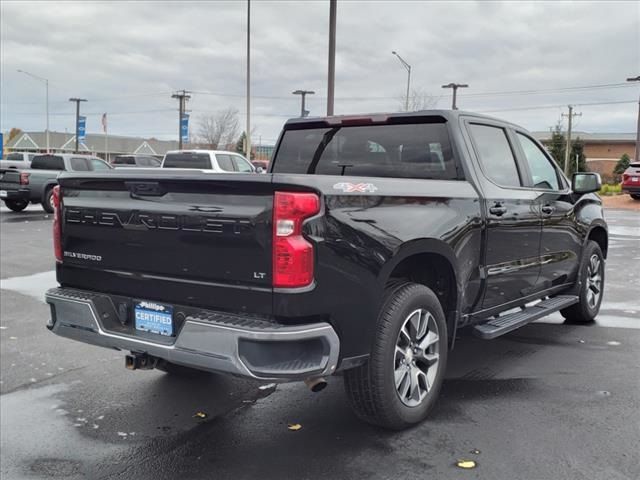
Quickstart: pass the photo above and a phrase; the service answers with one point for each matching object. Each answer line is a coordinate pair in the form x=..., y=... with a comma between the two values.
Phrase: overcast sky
x=126, y=58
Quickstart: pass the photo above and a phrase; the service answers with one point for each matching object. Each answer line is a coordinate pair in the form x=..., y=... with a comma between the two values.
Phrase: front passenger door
x=560, y=242
x=512, y=241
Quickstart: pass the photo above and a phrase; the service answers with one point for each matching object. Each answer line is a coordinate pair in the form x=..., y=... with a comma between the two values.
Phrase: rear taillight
x=57, y=223
x=292, y=253
x=625, y=177
x=24, y=178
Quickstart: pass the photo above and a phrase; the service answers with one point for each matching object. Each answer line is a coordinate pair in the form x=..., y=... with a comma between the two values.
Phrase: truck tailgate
x=195, y=238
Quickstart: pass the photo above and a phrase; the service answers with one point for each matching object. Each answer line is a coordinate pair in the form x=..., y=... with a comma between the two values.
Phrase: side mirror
x=586, y=182
x=260, y=170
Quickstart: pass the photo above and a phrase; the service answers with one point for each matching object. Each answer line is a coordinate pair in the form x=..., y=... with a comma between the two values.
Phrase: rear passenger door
x=560, y=243
x=511, y=257
x=225, y=163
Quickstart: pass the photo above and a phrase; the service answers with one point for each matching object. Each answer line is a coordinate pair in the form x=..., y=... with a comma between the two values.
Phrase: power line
x=543, y=107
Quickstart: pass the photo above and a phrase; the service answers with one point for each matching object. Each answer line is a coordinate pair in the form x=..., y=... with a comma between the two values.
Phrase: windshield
x=419, y=150
x=187, y=160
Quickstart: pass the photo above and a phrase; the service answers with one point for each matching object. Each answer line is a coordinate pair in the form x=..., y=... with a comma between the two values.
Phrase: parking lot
x=551, y=400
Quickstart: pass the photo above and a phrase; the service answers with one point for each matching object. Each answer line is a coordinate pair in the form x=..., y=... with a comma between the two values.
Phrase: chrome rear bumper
x=208, y=340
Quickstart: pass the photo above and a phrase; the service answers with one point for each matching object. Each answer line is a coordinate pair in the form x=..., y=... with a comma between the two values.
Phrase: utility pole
x=247, y=136
x=332, y=56
x=182, y=97
x=303, y=94
x=637, y=155
x=408, y=67
x=567, y=152
x=455, y=87
x=77, y=100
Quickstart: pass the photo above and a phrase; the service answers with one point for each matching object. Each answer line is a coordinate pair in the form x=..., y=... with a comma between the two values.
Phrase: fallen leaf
x=294, y=427
x=475, y=451
x=466, y=464
x=200, y=415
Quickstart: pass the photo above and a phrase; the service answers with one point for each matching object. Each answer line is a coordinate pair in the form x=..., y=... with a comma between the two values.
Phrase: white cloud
x=127, y=57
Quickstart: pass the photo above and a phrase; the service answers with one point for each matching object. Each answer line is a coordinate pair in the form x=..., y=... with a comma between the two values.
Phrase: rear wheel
x=400, y=382
x=635, y=196
x=592, y=286
x=47, y=201
x=16, y=205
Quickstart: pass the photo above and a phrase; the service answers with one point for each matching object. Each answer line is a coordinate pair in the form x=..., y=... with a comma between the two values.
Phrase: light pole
x=637, y=155
x=247, y=136
x=331, y=68
x=303, y=94
x=455, y=87
x=46, y=82
x=408, y=67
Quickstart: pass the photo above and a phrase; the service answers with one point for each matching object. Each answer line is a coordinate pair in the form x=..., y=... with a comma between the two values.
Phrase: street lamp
x=455, y=87
x=303, y=94
x=46, y=82
x=637, y=155
x=408, y=67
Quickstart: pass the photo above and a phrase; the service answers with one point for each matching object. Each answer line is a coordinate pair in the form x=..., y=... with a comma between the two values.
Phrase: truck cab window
x=496, y=157
x=543, y=173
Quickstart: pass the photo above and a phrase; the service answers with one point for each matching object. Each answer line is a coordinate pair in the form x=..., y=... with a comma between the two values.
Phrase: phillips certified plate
x=154, y=317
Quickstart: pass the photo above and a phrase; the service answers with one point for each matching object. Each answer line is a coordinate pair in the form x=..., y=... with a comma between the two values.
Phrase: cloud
x=127, y=57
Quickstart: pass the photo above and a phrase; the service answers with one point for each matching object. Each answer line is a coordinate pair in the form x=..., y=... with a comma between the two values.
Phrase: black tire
x=16, y=205
x=635, y=196
x=47, y=200
x=371, y=388
x=586, y=309
x=179, y=370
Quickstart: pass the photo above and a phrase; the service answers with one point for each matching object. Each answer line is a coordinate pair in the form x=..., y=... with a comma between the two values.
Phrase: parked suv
x=369, y=243
x=133, y=161
x=213, y=160
x=631, y=181
x=17, y=160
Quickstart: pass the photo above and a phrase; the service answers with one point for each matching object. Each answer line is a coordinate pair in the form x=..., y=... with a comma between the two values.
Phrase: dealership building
x=101, y=145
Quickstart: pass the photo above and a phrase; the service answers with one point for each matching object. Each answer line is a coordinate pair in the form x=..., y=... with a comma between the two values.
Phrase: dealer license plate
x=3, y=194
x=633, y=179
x=154, y=317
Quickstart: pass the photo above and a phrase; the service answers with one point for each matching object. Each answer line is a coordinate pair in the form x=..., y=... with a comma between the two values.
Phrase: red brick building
x=602, y=150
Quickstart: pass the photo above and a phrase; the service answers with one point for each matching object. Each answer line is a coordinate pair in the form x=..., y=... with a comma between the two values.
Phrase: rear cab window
x=200, y=161
x=47, y=162
x=420, y=150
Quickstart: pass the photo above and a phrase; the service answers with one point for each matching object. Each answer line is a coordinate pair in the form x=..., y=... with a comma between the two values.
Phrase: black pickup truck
x=368, y=244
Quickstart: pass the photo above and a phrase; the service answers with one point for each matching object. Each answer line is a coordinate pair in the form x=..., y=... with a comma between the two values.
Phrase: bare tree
x=219, y=129
x=418, y=100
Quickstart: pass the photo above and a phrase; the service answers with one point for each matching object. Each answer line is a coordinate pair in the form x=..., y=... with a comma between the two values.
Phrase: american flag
x=104, y=122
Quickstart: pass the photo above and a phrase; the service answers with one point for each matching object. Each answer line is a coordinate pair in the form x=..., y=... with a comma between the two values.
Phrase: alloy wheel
x=594, y=281
x=416, y=357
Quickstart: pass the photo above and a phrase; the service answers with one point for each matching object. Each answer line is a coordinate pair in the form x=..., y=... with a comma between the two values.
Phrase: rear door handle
x=548, y=209
x=498, y=210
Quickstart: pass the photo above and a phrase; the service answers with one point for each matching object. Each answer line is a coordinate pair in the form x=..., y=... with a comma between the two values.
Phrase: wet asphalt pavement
x=548, y=401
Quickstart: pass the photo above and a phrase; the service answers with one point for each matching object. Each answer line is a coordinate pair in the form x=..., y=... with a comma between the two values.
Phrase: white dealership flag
x=104, y=122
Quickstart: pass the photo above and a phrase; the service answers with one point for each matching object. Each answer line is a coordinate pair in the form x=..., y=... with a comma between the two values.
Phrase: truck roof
x=448, y=115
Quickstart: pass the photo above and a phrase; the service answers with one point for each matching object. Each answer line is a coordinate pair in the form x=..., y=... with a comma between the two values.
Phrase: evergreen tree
x=622, y=164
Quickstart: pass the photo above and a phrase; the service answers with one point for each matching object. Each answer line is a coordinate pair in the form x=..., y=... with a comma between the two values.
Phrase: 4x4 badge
x=355, y=187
